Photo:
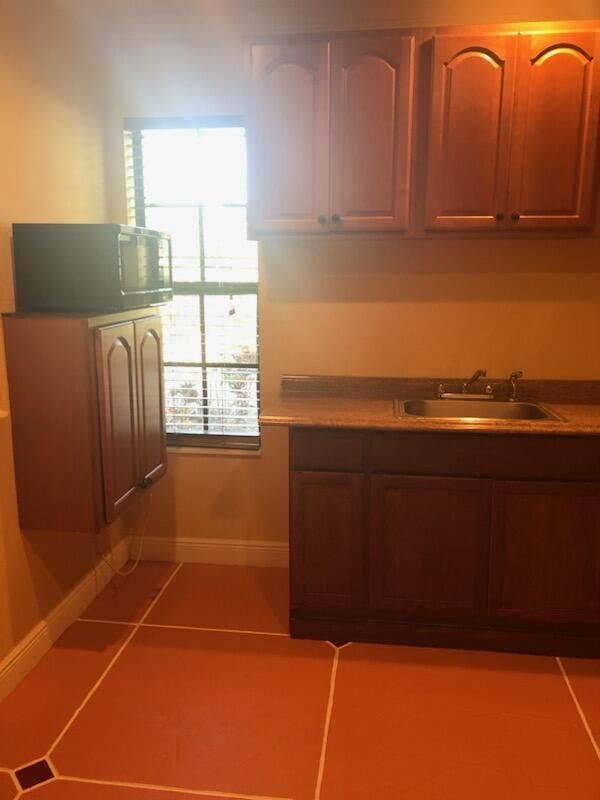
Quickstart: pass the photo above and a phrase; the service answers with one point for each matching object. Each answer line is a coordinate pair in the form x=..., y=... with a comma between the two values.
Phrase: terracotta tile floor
x=186, y=685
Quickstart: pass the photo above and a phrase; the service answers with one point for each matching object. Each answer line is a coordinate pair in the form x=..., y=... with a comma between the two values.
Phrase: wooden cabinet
x=555, y=132
x=371, y=125
x=328, y=543
x=469, y=133
x=330, y=134
x=513, y=132
x=428, y=545
x=422, y=538
x=487, y=130
x=87, y=415
x=288, y=159
x=545, y=552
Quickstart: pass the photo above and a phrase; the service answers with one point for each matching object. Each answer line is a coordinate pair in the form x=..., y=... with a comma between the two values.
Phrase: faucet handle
x=514, y=377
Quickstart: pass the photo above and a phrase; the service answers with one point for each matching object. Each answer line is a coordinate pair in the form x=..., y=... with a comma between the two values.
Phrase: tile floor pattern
x=180, y=682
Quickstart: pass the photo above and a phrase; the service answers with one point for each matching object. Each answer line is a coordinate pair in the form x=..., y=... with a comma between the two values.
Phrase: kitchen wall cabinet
x=487, y=130
x=330, y=134
x=469, y=133
x=555, y=132
x=423, y=538
x=87, y=415
x=513, y=129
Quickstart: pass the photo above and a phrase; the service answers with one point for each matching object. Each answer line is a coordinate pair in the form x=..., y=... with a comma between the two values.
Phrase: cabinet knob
x=145, y=483
x=336, y=218
x=321, y=219
x=515, y=216
x=500, y=216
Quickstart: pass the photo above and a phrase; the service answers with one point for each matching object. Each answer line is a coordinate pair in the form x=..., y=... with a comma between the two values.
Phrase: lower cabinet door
x=116, y=373
x=429, y=542
x=327, y=559
x=545, y=553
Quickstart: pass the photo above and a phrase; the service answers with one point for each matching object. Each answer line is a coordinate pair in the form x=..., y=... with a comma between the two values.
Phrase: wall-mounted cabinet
x=504, y=138
x=87, y=415
x=513, y=132
x=330, y=134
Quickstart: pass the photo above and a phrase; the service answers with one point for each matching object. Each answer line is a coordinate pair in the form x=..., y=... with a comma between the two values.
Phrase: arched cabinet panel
x=152, y=437
x=115, y=358
x=469, y=133
x=555, y=131
x=372, y=80
x=289, y=137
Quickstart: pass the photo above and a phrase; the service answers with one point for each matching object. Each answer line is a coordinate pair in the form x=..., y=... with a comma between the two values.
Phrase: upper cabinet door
x=555, y=131
x=469, y=135
x=288, y=156
x=151, y=420
x=115, y=365
x=372, y=87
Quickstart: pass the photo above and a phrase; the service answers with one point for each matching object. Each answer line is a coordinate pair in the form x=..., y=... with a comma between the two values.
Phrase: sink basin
x=471, y=409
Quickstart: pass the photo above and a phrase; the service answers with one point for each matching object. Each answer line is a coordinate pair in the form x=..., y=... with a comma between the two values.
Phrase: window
x=190, y=181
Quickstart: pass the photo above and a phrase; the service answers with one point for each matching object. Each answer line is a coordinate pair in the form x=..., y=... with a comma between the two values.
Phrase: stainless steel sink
x=471, y=409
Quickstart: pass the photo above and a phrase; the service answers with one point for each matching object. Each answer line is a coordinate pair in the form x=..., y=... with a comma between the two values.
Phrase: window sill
x=223, y=452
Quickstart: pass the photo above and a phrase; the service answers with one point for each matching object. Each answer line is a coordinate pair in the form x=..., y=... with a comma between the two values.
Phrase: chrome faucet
x=479, y=373
x=514, y=377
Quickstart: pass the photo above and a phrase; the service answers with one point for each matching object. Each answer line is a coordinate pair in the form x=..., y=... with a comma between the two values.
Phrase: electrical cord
x=131, y=569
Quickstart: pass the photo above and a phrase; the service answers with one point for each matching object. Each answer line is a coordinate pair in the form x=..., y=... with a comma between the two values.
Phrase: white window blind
x=190, y=181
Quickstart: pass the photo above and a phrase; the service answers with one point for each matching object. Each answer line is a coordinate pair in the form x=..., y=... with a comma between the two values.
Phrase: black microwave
x=80, y=268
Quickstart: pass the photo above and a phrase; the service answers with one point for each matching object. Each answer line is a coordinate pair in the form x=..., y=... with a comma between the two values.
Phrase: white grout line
x=334, y=667
x=579, y=708
x=106, y=621
x=174, y=789
x=110, y=665
x=213, y=630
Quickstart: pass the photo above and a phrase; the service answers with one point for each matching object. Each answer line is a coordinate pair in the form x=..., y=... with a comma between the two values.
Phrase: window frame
x=134, y=126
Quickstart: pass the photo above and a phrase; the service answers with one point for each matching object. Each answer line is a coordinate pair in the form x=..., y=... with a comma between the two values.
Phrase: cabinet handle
x=321, y=219
x=500, y=216
x=336, y=218
x=515, y=216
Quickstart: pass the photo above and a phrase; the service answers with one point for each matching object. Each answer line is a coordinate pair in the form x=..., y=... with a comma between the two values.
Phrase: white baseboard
x=237, y=552
x=22, y=658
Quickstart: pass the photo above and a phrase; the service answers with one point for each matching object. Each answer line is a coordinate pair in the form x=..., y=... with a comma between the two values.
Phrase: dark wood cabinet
x=288, y=137
x=422, y=538
x=117, y=393
x=486, y=129
x=555, y=131
x=328, y=543
x=371, y=132
x=469, y=132
x=330, y=133
x=428, y=546
x=545, y=552
x=87, y=415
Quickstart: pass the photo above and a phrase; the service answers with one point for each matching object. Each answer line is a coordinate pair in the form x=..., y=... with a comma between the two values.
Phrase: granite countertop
x=378, y=414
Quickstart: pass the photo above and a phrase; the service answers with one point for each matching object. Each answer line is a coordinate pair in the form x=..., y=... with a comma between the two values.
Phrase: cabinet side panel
x=53, y=408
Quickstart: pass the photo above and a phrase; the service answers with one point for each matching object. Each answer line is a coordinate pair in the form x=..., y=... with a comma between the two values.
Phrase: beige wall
x=52, y=169
x=353, y=307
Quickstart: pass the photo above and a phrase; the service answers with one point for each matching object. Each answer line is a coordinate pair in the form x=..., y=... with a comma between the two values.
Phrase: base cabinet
x=328, y=543
x=428, y=546
x=87, y=416
x=545, y=553
x=467, y=559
